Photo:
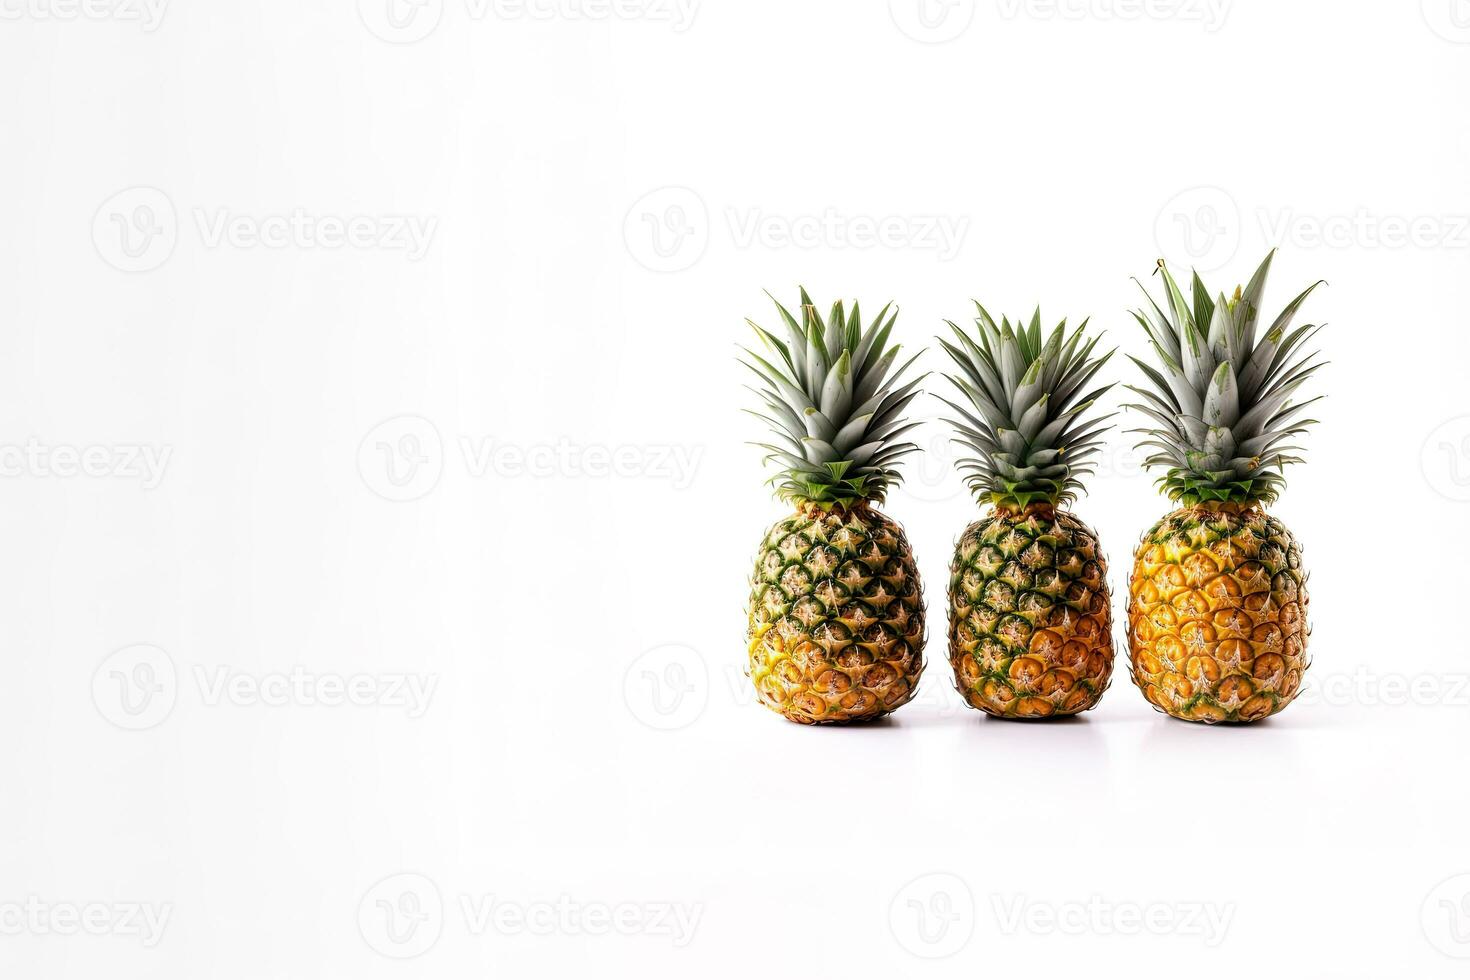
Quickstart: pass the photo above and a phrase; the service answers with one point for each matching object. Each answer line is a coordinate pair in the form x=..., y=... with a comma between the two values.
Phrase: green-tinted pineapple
x=836, y=617
x=1030, y=619
x=1217, y=611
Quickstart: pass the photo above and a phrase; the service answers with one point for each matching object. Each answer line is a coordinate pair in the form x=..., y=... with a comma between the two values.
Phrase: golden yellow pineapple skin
x=1030, y=615
x=836, y=625
x=1217, y=615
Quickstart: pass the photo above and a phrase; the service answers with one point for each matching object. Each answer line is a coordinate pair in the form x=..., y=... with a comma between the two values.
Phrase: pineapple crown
x=1222, y=403
x=836, y=406
x=1027, y=431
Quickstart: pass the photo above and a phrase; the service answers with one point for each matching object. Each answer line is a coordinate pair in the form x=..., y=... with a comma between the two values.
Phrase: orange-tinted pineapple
x=1030, y=619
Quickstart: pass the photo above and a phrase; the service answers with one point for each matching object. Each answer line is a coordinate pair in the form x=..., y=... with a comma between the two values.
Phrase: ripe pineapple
x=1030, y=616
x=836, y=627
x=1217, y=611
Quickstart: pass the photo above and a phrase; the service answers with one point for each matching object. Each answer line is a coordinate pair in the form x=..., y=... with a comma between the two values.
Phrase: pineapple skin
x=1030, y=615
x=1217, y=615
x=836, y=616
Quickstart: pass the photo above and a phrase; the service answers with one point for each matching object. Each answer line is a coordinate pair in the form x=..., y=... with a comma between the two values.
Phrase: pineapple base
x=836, y=617
x=1217, y=615
x=1030, y=618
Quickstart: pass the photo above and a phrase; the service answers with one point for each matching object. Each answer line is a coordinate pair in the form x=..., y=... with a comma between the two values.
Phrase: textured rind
x=1217, y=615
x=836, y=625
x=1030, y=616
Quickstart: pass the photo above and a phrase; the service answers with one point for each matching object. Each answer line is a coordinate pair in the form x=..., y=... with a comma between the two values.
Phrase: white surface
x=586, y=737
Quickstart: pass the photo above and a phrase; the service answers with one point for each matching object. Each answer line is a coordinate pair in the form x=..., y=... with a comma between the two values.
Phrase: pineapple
x=1030, y=616
x=836, y=616
x=1217, y=610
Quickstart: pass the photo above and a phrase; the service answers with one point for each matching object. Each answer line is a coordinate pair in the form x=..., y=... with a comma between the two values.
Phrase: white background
x=384, y=462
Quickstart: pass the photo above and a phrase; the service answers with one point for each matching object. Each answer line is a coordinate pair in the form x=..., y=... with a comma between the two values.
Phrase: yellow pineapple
x=1217, y=607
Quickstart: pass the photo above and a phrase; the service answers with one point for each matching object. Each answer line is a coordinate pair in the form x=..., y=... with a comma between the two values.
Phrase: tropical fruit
x=1217, y=608
x=1030, y=618
x=836, y=615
